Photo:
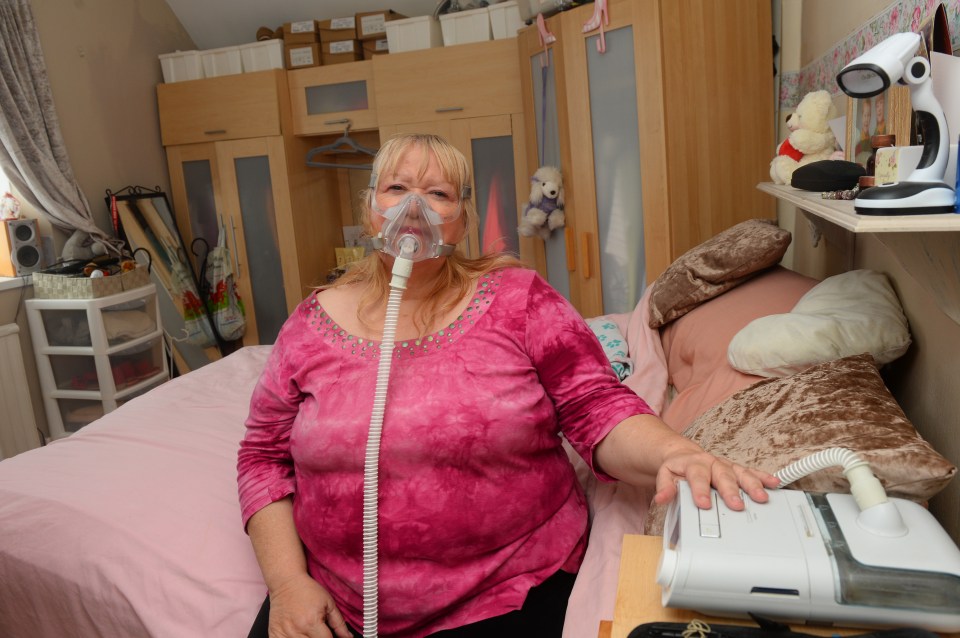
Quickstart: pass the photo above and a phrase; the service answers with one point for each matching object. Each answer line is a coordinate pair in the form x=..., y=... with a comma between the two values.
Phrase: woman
x=482, y=522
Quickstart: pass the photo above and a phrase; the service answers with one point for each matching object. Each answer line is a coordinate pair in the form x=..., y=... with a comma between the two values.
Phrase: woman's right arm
x=299, y=605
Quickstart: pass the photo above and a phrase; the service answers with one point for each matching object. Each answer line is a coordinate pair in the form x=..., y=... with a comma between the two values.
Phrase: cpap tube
x=877, y=513
x=402, y=267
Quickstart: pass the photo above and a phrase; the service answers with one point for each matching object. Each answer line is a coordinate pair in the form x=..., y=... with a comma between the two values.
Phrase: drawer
x=76, y=413
x=466, y=80
x=323, y=97
x=137, y=364
x=221, y=108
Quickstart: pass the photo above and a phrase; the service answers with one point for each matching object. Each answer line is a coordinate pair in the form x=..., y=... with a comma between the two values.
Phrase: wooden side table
x=638, y=596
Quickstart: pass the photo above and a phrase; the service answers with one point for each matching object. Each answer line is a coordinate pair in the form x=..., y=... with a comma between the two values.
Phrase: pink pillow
x=695, y=345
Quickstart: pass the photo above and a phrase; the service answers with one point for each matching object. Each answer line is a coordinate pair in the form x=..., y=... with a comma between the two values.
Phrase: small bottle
x=878, y=141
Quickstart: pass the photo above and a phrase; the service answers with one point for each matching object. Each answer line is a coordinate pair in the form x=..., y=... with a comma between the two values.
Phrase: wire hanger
x=343, y=145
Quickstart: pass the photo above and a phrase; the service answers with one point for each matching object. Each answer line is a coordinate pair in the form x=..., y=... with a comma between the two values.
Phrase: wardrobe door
x=616, y=160
x=541, y=75
x=489, y=146
x=604, y=131
x=252, y=188
x=195, y=190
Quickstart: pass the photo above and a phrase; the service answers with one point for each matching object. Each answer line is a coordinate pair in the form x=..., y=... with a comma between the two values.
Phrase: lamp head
x=885, y=64
x=923, y=190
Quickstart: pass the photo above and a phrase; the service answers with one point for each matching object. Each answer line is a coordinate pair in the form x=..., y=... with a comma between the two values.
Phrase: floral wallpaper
x=904, y=15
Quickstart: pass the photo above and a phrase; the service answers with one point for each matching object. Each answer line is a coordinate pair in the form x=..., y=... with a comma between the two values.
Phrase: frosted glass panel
x=616, y=153
x=496, y=194
x=548, y=152
x=198, y=183
x=333, y=98
x=263, y=254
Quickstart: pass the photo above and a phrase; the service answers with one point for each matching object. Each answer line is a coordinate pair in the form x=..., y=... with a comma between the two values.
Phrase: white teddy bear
x=810, y=138
x=544, y=210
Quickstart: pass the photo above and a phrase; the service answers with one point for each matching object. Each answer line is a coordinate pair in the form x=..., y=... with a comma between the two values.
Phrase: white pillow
x=843, y=315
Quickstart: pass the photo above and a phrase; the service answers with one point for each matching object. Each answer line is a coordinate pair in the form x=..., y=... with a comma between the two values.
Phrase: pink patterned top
x=478, y=500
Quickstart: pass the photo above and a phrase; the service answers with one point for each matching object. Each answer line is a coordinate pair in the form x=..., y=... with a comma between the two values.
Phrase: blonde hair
x=459, y=272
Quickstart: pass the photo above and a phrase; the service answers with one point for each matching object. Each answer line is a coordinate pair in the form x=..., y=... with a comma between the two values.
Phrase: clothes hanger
x=343, y=145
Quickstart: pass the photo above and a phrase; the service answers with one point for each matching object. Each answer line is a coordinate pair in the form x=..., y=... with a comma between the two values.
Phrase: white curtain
x=32, y=151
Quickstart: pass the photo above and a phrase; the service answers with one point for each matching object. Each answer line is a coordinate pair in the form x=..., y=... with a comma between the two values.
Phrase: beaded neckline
x=331, y=333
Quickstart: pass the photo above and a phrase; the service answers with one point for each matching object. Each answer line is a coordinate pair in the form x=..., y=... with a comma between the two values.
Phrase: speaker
x=19, y=248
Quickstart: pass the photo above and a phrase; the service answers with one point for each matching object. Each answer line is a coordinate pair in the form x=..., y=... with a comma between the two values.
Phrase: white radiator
x=18, y=428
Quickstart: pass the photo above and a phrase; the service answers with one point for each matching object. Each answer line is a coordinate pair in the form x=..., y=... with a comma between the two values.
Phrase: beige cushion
x=715, y=266
x=841, y=403
x=844, y=315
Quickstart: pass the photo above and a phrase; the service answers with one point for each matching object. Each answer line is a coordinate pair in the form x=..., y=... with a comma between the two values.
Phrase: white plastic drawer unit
x=95, y=354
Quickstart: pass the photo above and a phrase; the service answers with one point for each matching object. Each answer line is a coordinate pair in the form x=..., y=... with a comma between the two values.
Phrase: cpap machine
x=857, y=559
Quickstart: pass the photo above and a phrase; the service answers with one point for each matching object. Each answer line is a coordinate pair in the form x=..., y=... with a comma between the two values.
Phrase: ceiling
x=219, y=23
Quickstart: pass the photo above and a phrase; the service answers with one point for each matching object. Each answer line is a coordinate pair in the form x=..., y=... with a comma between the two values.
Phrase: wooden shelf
x=842, y=213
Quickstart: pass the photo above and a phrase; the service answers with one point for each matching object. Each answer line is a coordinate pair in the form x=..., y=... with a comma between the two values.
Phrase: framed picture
x=887, y=113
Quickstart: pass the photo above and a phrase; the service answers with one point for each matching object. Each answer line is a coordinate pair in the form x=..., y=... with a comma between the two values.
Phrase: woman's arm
x=299, y=606
x=643, y=450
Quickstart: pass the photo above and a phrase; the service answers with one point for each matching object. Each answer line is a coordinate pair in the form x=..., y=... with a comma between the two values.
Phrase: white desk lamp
x=924, y=190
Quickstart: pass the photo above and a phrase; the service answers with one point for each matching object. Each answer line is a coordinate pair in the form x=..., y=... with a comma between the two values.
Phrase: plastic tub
x=464, y=27
x=222, y=61
x=262, y=56
x=413, y=34
x=181, y=65
x=505, y=19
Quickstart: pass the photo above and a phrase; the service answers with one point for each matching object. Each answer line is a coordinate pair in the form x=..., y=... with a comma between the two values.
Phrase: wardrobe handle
x=586, y=239
x=448, y=109
x=216, y=131
x=571, y=250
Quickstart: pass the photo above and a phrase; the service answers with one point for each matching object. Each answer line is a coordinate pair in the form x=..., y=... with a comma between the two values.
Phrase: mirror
x=143, y=218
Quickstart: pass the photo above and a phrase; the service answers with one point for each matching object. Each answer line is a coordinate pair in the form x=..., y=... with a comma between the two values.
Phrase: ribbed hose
x=371, y=470
x=864, y=486
x=818, y=461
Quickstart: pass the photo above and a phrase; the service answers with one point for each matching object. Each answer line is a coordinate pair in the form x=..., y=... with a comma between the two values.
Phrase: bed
x=131, y=526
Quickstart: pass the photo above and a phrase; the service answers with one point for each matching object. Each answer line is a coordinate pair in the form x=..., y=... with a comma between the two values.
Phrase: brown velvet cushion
x=715, y=266
x=841, y=403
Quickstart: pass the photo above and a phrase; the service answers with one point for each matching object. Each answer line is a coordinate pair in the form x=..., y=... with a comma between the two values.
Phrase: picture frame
x=887, y=113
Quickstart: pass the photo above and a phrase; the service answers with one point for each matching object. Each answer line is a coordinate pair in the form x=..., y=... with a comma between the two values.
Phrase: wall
x=101, y=58
x=925, y=379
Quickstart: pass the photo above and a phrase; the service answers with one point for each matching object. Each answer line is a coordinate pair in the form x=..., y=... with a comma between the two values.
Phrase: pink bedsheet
x=131, y=527
x=616, y=508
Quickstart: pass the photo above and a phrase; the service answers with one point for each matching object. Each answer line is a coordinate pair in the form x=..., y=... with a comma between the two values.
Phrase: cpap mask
x=412, y=229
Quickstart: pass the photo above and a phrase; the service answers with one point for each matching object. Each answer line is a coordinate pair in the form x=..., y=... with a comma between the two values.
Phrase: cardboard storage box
x=338, y=29
x=181, y=65
x=340, y=52
x=375, y=47
x=373, y=24
x=262, y=56
x=412, y=34
x=463, y=27
x=222, y=61
x=299, y=56
x=301, y=32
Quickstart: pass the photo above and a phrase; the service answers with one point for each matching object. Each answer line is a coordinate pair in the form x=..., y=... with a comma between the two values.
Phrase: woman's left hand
x=702, y=471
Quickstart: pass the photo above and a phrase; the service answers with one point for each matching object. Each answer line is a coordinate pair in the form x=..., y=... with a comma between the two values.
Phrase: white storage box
x=180, y=66
x=262, y=56
x=222, y=61
x=463, y=27
x=505, y=19
x=530, y=8
x=412, y=34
